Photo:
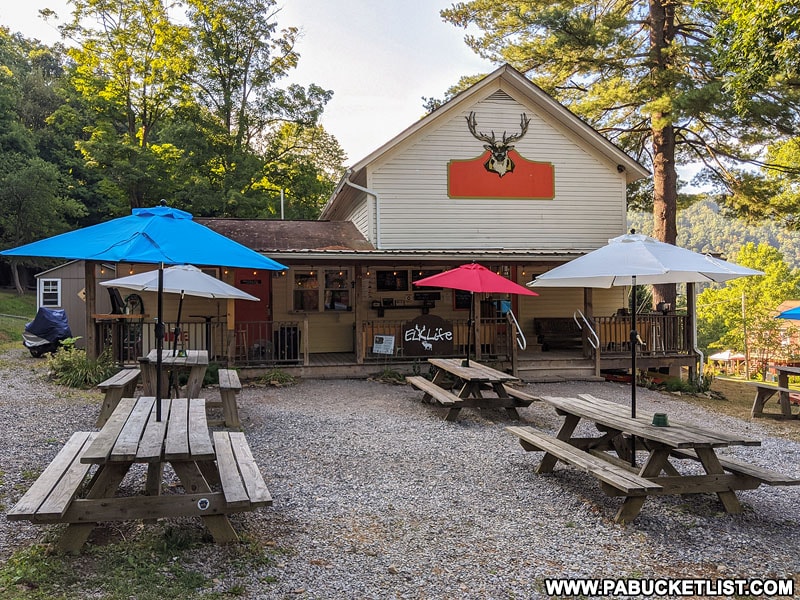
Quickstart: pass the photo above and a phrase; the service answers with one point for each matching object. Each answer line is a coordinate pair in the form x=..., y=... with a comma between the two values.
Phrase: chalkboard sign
x=462, y=299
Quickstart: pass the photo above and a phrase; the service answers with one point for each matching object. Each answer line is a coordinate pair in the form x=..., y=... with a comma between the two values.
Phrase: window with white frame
x=50, y=292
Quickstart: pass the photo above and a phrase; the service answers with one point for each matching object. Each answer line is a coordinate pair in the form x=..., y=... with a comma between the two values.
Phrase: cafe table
x=195, y=362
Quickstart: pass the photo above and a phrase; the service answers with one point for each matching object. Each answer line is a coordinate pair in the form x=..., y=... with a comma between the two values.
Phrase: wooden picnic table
x=607, y=456
x=216, y=478
x=193, y=361
x=470, y=384
x=765, y=391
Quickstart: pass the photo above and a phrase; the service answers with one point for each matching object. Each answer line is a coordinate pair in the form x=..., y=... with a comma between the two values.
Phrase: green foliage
x=277, y=377
x=151, y=566
x=704, y=227
x=389, y=375
x=31, y=573
x=758, y=45
x=70, y=366
x=747, y=304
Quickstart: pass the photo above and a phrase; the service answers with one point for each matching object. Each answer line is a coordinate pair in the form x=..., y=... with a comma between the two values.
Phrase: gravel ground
x=376, y=496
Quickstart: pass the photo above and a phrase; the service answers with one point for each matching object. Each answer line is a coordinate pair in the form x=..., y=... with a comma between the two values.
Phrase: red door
x=253, y=333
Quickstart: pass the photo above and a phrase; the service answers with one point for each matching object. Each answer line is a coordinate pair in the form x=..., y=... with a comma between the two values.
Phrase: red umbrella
x=473, y=278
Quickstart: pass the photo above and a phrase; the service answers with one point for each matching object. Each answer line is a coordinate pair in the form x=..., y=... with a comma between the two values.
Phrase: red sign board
x=528, y=180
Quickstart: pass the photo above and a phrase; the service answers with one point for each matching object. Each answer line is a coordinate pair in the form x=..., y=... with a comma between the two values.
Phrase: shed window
x=51, y=293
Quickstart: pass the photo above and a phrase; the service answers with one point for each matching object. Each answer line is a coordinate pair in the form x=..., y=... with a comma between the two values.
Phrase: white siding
x=361, y=217
x=416, y=212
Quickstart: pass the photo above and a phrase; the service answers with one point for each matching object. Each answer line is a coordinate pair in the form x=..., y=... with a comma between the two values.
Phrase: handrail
x=592, y=337
x=520, y=337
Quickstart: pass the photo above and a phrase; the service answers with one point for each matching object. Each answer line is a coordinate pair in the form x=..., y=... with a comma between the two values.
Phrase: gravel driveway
x=376, y=496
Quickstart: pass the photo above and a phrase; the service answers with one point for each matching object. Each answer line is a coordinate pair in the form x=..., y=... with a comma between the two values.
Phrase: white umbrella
x=180, y=279
x=635, y=259
x=727, y=355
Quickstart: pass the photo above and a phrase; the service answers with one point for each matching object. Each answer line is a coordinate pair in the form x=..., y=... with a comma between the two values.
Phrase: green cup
x=660, y=420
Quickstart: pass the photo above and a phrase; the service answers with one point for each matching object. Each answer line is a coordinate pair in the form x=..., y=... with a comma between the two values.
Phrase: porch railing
x=661, y=334
x=249, y=343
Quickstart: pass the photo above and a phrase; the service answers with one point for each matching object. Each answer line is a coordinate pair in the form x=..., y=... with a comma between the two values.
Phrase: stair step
x=548, y=370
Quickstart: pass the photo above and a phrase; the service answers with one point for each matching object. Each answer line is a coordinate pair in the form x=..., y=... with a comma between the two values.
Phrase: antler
x=524, y=121
x=472, y=123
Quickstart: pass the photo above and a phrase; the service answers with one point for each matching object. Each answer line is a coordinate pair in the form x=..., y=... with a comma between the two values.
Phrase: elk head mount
x=499, y=161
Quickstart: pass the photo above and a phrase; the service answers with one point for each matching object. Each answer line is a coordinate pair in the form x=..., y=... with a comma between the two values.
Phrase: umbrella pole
x=159, y=338
x=634, y=338
x=469, y=327
x=177, y=330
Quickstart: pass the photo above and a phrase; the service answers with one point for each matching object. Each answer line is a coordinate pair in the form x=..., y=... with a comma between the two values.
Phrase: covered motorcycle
x=46, y=332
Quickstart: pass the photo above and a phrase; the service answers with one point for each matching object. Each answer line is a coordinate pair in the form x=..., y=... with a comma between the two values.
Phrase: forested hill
x=702, y=228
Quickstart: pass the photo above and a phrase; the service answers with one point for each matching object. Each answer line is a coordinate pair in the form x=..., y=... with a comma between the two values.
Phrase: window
x=51, y=292
x=392, y=281
x=306, y=291
x=337, y=290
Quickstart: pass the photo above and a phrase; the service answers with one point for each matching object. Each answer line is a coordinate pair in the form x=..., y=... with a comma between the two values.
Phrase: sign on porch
x=428, y=335
x=383, y=344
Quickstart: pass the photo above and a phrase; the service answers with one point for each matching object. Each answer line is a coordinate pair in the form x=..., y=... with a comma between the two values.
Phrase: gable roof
x=514, y=83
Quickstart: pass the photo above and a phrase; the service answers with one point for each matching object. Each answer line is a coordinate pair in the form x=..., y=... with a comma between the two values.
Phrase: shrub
x=71, y=367
x=278, y=378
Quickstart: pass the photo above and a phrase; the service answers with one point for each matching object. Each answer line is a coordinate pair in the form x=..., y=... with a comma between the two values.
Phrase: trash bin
x=287, y=344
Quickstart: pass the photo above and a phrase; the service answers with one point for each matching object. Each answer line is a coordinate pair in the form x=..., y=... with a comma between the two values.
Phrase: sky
x=379, y=57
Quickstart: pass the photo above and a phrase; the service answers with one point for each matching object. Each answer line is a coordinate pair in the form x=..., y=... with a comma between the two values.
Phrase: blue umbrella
x=792, y=313
x=160, y=235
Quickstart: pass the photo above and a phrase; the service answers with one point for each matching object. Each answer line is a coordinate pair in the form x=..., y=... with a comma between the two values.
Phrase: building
x=501, y=174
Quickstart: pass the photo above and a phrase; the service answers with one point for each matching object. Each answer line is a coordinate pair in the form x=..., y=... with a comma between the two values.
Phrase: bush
x=71, y=367
x=278, y=378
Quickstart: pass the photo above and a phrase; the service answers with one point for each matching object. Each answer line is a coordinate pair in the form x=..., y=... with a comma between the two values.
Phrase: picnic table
x=765, y=391
x=470, y=383
x=216, y=478
x=607, y=456
x=193, y=361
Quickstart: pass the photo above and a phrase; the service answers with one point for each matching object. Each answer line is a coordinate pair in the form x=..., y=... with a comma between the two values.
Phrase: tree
x=241, y=57
x=132, y=65
x=748, y=304
x=758, y=45
x=644, y=74
x=33, y=202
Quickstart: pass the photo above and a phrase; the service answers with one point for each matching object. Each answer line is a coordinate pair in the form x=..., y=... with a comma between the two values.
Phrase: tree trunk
x=15, y=276
x=665, y=200
x=665, y=177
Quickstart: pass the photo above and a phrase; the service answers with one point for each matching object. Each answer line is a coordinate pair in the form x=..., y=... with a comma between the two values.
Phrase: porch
x=257, y=347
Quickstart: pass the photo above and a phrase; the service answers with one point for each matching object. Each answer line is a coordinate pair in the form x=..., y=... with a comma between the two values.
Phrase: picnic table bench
x=467, y=389
x=118, y=386
x=608, y=458
x=229, y=387
x=765, y=391
x=217, y=478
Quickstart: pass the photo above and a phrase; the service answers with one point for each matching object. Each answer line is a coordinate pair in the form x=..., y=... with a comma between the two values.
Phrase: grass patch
x=23, y=307
x=735, y=398
x=159, y=564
